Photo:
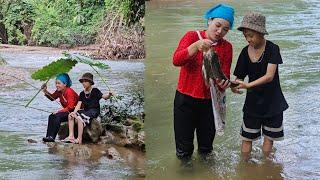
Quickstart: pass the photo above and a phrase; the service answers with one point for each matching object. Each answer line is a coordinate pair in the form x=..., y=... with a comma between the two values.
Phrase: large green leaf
x=86, y=60
x=61, y=65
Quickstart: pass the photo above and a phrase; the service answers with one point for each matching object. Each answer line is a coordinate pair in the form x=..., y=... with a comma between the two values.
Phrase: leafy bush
x=67, y=22
x=129, y=106
x=131, y=10
x=15, y=16
x=56, y=22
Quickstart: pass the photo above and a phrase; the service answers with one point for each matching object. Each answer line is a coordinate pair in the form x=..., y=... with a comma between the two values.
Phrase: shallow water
x=21, y=160
x=294, y=26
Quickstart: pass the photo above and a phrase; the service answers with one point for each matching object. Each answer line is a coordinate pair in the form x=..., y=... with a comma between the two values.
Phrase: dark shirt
x=265, y=100
x=91, y=100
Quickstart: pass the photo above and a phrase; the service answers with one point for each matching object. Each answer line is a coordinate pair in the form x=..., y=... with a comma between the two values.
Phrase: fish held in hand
x=211, y=68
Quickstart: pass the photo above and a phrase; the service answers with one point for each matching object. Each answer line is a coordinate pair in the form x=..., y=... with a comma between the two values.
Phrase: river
x=22, y=160
x=295, y=27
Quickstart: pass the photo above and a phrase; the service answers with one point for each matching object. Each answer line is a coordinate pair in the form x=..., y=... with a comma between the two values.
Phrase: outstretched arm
x=107, y=95
x=268, y=77
x=50, y=96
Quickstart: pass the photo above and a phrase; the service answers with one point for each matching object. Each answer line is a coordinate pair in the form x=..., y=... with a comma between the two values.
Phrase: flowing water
x=21, y=160
x=295, y=27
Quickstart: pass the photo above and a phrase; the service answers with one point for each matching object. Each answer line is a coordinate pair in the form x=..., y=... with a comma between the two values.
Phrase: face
x=217, y=28
x=60, y=86
x=86, y=84
x=254, y=38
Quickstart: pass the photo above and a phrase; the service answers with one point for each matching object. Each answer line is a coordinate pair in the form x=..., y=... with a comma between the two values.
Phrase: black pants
x=54, y=123
x=190, y=115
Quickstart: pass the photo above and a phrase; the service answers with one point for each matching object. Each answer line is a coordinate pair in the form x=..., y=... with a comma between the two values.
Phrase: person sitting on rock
x=88, y=108
x=68, y=99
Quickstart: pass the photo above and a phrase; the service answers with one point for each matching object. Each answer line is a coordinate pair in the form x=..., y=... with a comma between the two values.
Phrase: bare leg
x=80, y=131
x=246, y=148
x=267, y=146
x=71, y=127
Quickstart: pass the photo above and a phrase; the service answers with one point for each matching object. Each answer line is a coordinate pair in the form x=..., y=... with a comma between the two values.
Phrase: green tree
x=16, y=18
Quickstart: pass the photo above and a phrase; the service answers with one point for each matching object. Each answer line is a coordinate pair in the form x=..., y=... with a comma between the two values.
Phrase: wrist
x=193, y=47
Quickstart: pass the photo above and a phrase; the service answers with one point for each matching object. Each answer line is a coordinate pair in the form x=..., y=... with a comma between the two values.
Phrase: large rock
x=74, y=152
x=71, y=150
x=91, y=133
x=125, y=135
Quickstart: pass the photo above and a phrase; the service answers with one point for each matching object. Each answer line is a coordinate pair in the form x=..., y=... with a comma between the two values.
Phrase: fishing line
x=21, y=105
x=9, y=75
x=104, y=81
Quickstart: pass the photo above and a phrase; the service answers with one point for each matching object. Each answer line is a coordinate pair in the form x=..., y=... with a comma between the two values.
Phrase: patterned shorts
x=86, y=116
x=253, y=127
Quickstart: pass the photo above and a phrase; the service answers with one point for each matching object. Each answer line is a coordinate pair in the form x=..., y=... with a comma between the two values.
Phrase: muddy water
x=21, y=160
x=295, y=27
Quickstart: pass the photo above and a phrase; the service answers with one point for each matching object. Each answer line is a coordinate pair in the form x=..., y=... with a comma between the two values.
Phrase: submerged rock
x=75, y=152
x=70, y=150
x=112, y=153
x=91, y=133
x=31, y=141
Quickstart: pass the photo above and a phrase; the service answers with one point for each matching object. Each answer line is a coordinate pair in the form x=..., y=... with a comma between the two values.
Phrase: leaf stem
x=36, y=94
x=104, y=81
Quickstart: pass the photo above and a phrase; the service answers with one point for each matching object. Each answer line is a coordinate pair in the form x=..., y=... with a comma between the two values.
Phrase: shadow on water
x=20, y=159
x=292, y=25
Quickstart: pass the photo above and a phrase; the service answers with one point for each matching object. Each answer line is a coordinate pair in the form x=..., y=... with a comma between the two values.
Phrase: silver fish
x=211, y=68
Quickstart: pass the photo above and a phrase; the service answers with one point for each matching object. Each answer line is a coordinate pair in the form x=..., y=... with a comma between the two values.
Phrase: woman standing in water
x=192, y=103
x=68, y=99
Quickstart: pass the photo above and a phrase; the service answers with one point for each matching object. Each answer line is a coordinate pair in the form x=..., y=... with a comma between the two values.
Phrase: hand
x=223, y=84
x=204, y=44
x=44, y=86
x=111, y=94
x=73, y=114
x=242, y=85
x=54, y=112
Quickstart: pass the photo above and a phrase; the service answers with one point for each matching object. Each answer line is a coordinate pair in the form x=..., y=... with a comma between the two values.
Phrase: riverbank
x=90, y=50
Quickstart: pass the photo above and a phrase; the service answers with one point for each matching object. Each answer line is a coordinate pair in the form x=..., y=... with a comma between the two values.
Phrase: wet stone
x=91, y=134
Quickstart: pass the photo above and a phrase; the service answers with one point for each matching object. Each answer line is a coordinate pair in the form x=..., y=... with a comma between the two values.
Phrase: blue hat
x=65, y=79
x=221, y=11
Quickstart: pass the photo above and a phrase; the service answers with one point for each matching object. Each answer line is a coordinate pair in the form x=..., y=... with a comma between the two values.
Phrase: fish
x=211, y=68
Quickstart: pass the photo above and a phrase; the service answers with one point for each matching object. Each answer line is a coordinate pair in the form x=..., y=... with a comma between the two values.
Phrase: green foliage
x=52, y=23
x=129, y=106
x=71, y=22
x=64, y=65
x=137, y=125
x=131, y=10
x=86, y=60
x=61, y=65
x=15, y=17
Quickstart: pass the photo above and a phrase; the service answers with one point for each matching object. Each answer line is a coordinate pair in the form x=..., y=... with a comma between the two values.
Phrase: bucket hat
x=87, y=77
x=254, y=21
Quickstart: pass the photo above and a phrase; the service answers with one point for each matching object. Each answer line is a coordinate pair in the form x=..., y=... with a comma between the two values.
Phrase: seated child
x=88, y=107
x=265, y=103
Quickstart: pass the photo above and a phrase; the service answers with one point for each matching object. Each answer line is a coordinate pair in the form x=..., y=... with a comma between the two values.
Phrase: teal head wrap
x=65, y=79
x=222, y=11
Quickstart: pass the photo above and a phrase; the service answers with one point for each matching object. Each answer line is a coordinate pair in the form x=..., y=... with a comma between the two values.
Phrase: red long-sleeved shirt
x=68, y=99
x=190, y=79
